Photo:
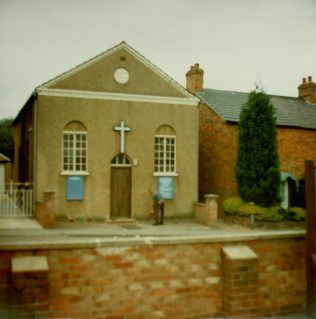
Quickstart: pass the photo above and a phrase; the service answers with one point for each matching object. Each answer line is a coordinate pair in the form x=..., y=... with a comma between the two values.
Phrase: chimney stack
x=194, y=79
x=307, y=90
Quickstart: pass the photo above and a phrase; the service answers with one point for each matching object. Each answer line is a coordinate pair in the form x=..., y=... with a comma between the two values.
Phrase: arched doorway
x=288, y=189
x=121, y=181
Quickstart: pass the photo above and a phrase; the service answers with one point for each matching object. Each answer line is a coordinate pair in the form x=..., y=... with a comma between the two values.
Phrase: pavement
x=19, y=223
x=26, y=233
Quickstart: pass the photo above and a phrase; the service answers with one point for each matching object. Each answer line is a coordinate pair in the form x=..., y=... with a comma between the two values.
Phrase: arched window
x=165, y=151
x=121, y=160
x=75, y=148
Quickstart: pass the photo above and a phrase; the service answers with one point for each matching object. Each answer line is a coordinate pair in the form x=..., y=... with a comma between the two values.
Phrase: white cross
x=122, y=129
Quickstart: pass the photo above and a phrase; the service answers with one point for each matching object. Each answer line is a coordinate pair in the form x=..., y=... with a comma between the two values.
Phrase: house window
x=165, y=155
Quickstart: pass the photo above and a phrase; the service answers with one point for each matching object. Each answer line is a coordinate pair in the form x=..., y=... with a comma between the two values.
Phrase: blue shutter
x=166, y=186
x=75, y=187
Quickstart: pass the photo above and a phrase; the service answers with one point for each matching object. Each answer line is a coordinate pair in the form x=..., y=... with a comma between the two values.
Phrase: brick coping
x=94, y=241
x=21, y=264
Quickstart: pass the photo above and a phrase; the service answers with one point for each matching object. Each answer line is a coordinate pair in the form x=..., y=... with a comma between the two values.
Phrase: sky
x=238, y=43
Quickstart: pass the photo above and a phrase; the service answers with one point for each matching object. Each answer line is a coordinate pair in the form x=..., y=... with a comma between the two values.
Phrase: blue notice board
x=166, y=186
x=75, y=187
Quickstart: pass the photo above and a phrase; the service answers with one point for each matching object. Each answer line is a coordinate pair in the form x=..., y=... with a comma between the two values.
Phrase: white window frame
x=167, y=169
x=75, y=171
x=121, y=160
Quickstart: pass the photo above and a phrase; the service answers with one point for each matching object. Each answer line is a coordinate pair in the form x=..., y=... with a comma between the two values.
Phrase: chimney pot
x=307, y=90
x=194, y=79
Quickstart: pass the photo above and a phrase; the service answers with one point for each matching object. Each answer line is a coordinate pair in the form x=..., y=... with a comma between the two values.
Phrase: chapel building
x=95, y=139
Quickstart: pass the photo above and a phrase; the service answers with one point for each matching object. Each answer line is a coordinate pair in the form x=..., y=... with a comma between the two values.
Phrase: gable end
x=141, y=59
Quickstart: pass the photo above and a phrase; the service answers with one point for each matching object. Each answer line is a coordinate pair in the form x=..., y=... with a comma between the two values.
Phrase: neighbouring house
x=95, y=139
x=5, y=172
x=219, y=116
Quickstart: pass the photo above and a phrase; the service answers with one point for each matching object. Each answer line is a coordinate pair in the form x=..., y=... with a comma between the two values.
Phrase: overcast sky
x=237, y=42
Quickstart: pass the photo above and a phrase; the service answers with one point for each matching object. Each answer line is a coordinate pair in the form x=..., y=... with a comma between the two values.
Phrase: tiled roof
x=289, y=111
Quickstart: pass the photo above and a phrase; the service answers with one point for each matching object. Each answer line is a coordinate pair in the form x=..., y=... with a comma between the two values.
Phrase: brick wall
x=218, y=151
x=295, y=146
x=183, y=280
x=217, y=155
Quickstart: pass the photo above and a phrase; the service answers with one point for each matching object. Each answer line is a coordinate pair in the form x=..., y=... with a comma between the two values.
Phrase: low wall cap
x=29, y=264
x=239, y=252
x=211, y=196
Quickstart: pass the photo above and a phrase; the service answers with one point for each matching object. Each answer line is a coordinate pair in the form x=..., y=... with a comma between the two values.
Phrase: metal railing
x=16, y=200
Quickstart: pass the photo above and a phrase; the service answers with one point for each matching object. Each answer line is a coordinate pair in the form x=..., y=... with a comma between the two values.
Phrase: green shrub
x=296, y=214
x=271, y=214
x=236, y=206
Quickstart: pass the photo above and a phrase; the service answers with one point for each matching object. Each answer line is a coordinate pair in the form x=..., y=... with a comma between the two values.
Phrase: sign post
x=311, y=238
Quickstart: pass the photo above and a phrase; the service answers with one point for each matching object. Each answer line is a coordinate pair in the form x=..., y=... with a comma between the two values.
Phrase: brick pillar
x=240, y=282
x=211, y=208
x=207, y=214
x=45, y=211
x=29, y=286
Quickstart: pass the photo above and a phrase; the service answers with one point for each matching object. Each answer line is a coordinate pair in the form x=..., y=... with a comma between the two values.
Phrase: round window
x=121, y=76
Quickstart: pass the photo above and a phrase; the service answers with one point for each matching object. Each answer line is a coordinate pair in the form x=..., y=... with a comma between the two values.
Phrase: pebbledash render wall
x=158, y=278
x=218, y=151
x=143, y=119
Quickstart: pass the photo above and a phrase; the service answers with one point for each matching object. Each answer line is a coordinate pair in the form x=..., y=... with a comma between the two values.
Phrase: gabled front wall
x=97, y=76
x=100, y=117
x=218, y=153
x=91, y=95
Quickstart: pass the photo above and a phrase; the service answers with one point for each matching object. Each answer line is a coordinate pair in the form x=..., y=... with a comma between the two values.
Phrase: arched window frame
x=121, y=160
x=75, y=151
x=165, y=156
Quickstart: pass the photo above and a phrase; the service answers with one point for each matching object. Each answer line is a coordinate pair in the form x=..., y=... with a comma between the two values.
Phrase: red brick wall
x=296, y=145
x=217, y=155
x=163, y=281
x=218, y=151
x=282, y=279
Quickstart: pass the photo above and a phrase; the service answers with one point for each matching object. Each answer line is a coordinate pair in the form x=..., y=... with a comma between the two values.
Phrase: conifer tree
x=257, y=166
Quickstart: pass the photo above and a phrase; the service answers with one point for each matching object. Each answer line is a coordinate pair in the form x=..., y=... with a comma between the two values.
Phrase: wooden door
x=120, y=192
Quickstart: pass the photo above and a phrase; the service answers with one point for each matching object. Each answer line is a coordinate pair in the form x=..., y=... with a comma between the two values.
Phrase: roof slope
x=289, y=111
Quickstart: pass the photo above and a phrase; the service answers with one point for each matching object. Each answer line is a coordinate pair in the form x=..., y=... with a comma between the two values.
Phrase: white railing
x=16, y=200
